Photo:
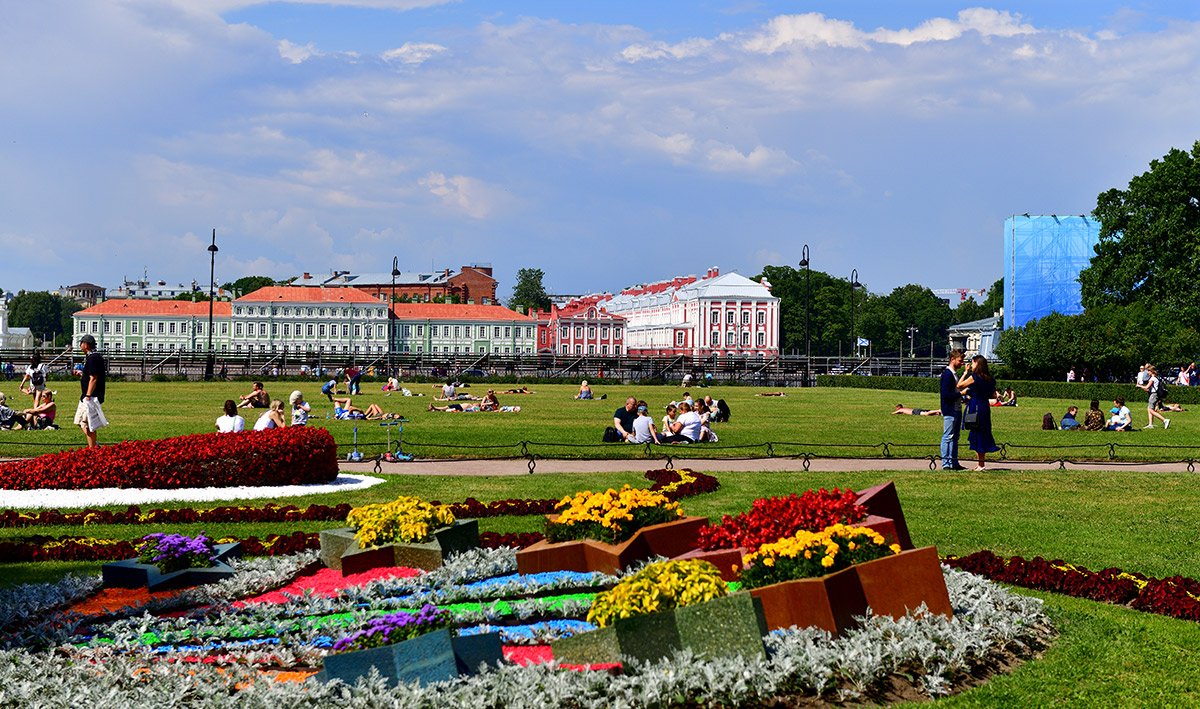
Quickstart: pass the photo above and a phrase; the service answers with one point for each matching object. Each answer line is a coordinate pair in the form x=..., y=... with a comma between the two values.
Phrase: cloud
x=661, y=50
x=761, y=160
x=414, y=52
x=465, y=194
x=295, y=53
x=807, y=30
x=985, y=22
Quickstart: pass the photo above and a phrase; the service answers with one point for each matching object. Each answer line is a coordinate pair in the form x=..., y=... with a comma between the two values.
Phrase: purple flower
x=394, y=628
x=172, y=552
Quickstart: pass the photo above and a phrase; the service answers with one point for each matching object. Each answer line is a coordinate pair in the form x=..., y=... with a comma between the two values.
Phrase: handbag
x=971, y=419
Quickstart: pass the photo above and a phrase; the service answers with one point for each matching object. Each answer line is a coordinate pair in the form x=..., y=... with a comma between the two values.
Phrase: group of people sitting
x=686, y=421
x=38, y=417
x=464, y=403
x=1119, y=418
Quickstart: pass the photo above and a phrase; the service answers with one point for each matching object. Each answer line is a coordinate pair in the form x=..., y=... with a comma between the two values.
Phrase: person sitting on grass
x=41, y=417
x=585, y=391
x=669, y=418
x=256, y=399
x=643, y=426
x=8, y=417
x=1121, y=419
x=489, y=401
x=906, y=411
x=230, y=422
x=1094, y=419
x=300, y=409
x=687, y=426
x=272, y=417
x=1069, y=423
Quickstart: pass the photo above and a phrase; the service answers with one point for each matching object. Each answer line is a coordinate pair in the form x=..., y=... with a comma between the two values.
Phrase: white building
x=725, y=315
x=445, y=328
x=296, y=319
x=12, y=338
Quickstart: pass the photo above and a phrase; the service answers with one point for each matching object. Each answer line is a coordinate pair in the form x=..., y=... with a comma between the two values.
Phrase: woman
x=977, y=383
x=585, y=391
x=35, y=374
x=230, y=422
x=300, y=409
x=272, y=417
x=1094, y=420
x=41, y=416
x=489, y=402
x=1153, y=386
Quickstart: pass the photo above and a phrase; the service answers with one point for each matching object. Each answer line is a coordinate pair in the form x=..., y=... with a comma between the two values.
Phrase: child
x=300, y=409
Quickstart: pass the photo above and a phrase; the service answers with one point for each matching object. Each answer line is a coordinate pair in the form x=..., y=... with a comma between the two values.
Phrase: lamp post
x=210, y=360
x=804, y=263
x=912, y=330
x=853, y=333
x=391, y=320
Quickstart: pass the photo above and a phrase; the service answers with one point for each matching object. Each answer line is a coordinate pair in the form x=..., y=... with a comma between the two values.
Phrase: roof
x=455, y=311
x=992, y=323
x=307, y=294
x=729, y=285
x=138, y=306
x=85, y=286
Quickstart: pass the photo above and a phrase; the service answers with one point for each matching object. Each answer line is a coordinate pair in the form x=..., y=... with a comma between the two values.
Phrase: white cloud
x=661, y=50
x=761, y=160
x=414, y=52
x=465, y=194
x=295, y=53
x=987, y=23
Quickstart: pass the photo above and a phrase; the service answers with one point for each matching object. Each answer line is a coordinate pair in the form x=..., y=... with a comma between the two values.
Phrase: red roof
x=138, y=306
x=452, y=311
x=308, y=294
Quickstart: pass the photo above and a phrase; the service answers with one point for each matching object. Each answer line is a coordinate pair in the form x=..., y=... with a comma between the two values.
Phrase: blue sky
x=605, y=143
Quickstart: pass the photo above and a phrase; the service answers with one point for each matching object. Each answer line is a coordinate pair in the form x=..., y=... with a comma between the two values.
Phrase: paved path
x=821, y=465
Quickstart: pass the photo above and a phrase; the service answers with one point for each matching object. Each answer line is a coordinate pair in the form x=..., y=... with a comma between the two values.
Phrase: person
x=1143, y=376
x=687, y=399
x=718, y=409
x=643, y=426
x=489, y=402
x=624, y=417
x=1071, y=374
x=1153, y=385
x=771, y=393
x=256, y=399
x=519, y=390
x=300, y=409
x=344, y=409
x=272, y=417
x=979, y=385
x=1185, y=377
x=904, y=410
x=35, y=375
x=1048, y=422
x=393, y=384
x=687, y=427
x=687, y=380
x=1008, y=398
x=230, y=422
x=467, y=409
x=329, y=388
x=951, y=409
x=1121, y=419
x=353, y=380
x=8, y=417
x=585, y=391
x=1193, y=375
x=41, y=416
x=1069, y=422
x=1094, y=419
x=448, y=390
x=89, y=415
x=669, y=418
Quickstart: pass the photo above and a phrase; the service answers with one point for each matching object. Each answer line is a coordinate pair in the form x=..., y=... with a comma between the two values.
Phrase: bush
x=1070, y=391
x=283, y=456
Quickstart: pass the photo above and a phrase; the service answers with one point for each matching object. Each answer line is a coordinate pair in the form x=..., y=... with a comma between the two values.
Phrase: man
x=623, y=419
x=718, y=410
x=449, y=391
x=951, y=412
x=256, y=399
x=88, y=415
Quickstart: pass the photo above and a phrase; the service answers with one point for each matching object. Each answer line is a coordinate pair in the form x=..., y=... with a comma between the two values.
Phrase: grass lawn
x=818, y=421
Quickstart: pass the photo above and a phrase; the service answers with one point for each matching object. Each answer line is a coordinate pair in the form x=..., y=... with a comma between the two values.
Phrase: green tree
x=1148, y=239
x=247, y=284
x=970, y=309
x=529, y=291
x=911, y=306
x=194, y=297
x=45, y=314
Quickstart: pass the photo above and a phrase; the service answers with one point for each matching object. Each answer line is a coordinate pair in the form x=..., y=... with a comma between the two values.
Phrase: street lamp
x=911, y=331
x=391, y=320
x=804, y=263
x=212, y=295
x=853, y=333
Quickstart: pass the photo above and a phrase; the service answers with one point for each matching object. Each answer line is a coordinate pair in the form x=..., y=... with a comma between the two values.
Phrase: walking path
x=818, y=465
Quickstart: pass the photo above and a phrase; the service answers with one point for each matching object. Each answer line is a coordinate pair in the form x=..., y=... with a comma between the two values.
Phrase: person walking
x=1153, y=386
x=979, y=385
x=89, y=415
x=951, y=412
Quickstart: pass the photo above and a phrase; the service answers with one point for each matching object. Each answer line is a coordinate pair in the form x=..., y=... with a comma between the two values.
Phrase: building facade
x=445, y=328
x=303, y=320
x=472, y=284
x=12, y=338
x=133, y=326
x=581, y=327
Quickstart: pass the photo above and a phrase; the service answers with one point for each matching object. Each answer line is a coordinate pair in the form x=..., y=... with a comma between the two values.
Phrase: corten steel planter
x=432, y=657
x=882, y=501
x=727, y=561
x=669, y=539
x=131, y=573
x=340, y=550
x=723, y=627
x=885, y=526
x=889, y=586
x=895, y=585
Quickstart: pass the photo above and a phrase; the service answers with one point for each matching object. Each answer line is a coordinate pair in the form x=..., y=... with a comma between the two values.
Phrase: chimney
x=307, y=276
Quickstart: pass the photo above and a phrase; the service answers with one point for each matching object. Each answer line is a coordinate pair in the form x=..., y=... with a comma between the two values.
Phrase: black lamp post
x=210, y=360
x=391, y=320
x=804, y=263
x=853, y=333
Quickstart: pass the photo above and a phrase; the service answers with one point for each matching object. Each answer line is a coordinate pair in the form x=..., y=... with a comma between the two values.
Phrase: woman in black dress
x=978, y=384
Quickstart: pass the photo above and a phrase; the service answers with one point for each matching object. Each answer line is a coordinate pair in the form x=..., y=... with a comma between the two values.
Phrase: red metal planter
x=669, y=539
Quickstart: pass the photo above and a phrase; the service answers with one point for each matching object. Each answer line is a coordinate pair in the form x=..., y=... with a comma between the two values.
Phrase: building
x=977, y=337
x=446, y=328
x=724, y=315
x=85, y=294
x=134, y=325
x=581, y=327
x=1043, y=256
x=469, y=284
x=12, y=338
x=298, y=319
x=150, y=290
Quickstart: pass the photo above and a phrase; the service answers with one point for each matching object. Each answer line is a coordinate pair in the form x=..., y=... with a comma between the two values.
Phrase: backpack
x=611, y=435
x=1161, y=389
x=38, y=377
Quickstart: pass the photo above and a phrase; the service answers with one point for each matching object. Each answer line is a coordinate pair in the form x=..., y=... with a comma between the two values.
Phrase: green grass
x=819, y=421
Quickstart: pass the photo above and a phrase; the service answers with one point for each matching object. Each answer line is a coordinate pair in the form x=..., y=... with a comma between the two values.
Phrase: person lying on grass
x=904, y=410
x=473, y=408
x=344, y=409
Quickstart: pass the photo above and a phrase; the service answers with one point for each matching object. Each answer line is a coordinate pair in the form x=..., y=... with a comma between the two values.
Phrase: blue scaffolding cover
x=1043, y=256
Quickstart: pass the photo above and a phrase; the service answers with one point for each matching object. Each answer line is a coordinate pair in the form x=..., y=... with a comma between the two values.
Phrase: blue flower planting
x=172, y=552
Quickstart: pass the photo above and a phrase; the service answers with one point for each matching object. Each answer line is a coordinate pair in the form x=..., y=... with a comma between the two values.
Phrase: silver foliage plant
x=991, y=625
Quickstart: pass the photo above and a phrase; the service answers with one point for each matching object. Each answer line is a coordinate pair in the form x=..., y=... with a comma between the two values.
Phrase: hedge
x=1071, y=391
x=295, y=455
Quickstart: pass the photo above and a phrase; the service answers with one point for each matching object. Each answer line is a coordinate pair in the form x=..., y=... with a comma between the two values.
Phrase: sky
x=608, y=144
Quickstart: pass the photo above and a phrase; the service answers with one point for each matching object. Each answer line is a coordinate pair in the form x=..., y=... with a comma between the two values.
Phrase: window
x=746, y=339
x=433, y=330
x=679, y=338
x=457, y=334
x=716, y=317
x=379, y=331
x=310, y=329
x=617, y=332
x=529, y=332
x=564, y=349
x=604, y=333
x=162, y=327
x=133, y=346
x=592, y=332
x=321, y=330
x=287, y=329
x=715, y=340
x=578, y=332
x=578, y=349
x=730, y=316
x=482, y=331
x=108, y=326
x=730, y=339
x=604, y=349
x=762, y=339
x=237, y=310
x=496, y=331
x=566, y=332
x=358, y=331
x=119, y=327
x=591, y=349
x=322, y=312
x=224, y=328
x=420, y=331
x=237, y=329
x=310, y=311
x=508, y=332
x=345, y=330
x=133, y=327
x=274, y=329
x=407, y=330
x=745, y=317
x=262, y=329
x=762, y=318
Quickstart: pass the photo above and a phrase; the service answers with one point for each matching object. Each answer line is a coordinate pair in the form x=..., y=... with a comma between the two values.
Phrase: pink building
x=581, y=327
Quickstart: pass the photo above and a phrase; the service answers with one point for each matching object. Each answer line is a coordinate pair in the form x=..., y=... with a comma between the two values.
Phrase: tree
x=1148, y=239
x=912, y=306
x=43, y=313
x=248, y=284
x=529, y=291
x=969, y=309
x=194, y=297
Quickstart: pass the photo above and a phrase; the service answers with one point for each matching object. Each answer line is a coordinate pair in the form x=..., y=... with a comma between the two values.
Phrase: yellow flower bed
x=611, y=516
x=813, y=554
x=658, y=587
x=405, y=519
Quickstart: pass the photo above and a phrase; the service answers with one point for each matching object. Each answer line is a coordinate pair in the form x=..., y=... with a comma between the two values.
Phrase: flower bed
x=134, y=515
x=611, y=516
x=773, y=518
x=1175, y=596
x=76, y=548
x=806, y=555
x=282, y=456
